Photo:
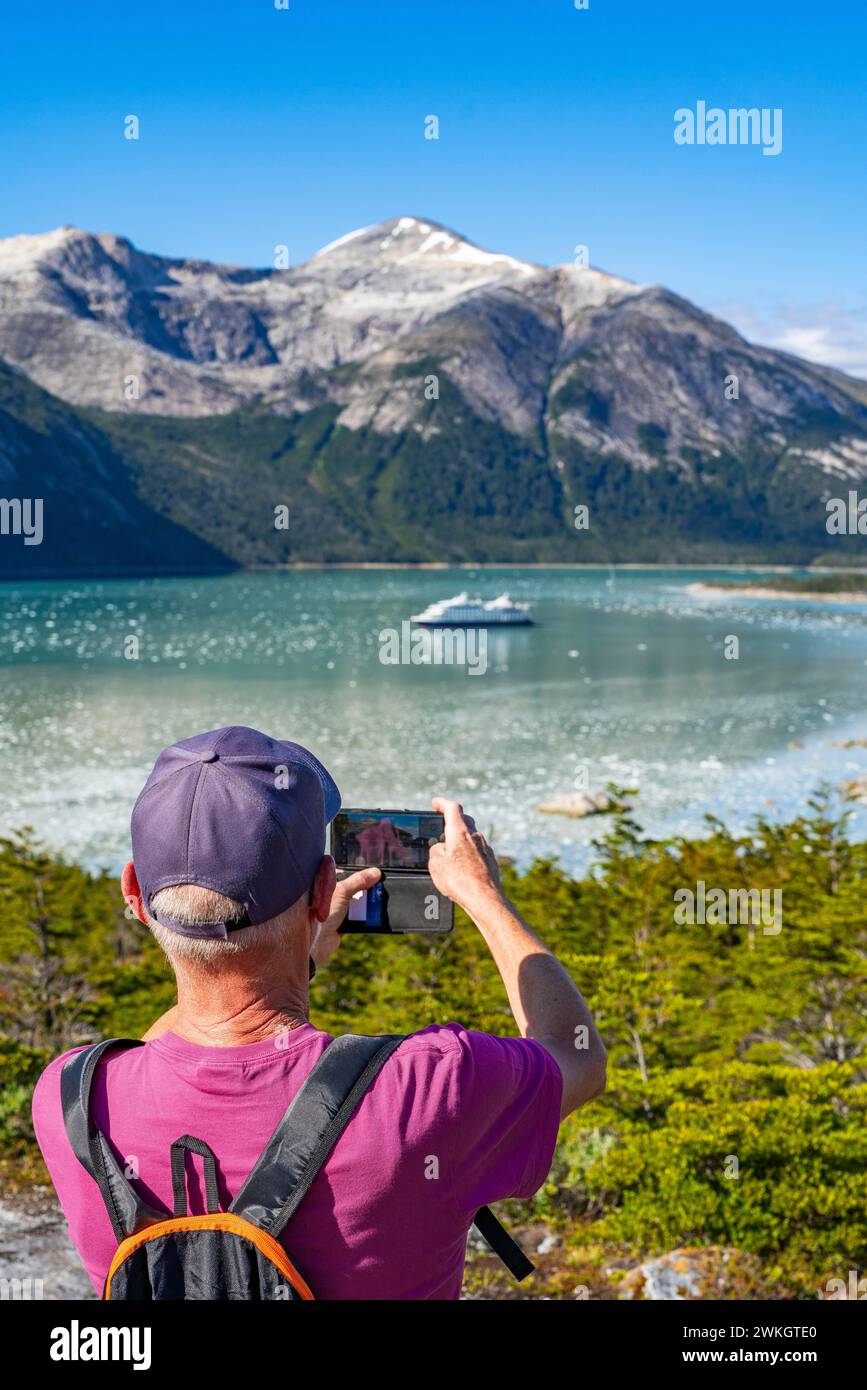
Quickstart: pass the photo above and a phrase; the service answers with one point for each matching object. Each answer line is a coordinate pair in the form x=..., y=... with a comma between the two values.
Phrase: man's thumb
x=355, y=883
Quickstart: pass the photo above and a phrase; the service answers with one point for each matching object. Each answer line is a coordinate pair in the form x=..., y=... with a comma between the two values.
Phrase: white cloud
x=828, y=333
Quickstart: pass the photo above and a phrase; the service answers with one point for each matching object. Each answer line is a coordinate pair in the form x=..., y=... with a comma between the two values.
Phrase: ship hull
x=472, y=622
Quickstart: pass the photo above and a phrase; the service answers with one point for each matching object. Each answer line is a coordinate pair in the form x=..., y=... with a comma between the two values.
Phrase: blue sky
x=262, y=126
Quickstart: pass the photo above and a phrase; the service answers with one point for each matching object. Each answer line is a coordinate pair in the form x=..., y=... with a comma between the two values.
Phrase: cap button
x=209, y=756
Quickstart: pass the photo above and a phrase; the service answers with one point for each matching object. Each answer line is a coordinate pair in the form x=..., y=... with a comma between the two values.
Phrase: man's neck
x=218, y=1012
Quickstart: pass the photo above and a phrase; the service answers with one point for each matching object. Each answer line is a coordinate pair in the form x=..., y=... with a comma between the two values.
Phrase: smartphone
x=399, y=841
x=405, y=899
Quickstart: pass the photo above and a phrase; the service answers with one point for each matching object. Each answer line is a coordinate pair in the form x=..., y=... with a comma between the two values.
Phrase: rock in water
x=579, y=804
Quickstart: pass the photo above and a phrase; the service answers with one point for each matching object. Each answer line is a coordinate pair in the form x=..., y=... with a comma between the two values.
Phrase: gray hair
x=193, y=906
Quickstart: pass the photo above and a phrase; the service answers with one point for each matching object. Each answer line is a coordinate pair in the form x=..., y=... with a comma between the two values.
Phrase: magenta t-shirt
x=454, y=1120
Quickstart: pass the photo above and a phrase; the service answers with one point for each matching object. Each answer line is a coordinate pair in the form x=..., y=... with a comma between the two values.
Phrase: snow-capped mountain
x=446, y=381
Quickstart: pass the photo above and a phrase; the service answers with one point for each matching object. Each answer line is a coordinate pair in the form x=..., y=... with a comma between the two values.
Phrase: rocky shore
x=757, y=591
x=36, y=1250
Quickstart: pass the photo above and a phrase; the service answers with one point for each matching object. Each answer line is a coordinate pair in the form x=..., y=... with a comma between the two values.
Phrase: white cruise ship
x=463, y=611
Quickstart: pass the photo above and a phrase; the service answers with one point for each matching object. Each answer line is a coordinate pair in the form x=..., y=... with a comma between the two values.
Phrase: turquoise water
x=624, y=672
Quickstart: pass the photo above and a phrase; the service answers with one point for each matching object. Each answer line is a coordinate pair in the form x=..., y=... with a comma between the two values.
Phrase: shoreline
x=787, y=595
x=529, y=565
x=444, y=566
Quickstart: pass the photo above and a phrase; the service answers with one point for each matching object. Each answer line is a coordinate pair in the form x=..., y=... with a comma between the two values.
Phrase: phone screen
x=386, y=839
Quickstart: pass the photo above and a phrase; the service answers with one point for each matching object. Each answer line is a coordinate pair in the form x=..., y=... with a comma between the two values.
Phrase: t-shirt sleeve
x=505, y=1103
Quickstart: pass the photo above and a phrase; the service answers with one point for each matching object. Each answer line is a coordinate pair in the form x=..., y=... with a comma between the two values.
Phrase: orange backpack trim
x=217, y=1221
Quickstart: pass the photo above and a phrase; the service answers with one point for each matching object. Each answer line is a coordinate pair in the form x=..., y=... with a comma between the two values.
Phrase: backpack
x=234, y=1254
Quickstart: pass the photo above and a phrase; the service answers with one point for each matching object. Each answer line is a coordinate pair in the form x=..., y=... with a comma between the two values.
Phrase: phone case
x=408, y=902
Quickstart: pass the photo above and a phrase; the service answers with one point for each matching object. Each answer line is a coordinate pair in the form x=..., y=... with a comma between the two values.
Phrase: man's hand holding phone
x=328, y=937
x=463, y=867
x=442, y=852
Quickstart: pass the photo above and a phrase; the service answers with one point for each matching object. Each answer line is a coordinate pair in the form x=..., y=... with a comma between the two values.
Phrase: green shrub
x=724, y=1042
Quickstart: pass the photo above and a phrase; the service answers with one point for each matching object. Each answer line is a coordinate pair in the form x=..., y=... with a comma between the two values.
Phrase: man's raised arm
x=546, y=1003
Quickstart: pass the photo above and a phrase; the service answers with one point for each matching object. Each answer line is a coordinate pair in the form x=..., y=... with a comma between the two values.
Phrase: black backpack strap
x=127, y=1211
x=179, y=1175
x=310, y=1128
x=502, y=1244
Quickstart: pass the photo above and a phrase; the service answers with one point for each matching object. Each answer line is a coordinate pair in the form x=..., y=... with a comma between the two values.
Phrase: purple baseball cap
x=235, y=811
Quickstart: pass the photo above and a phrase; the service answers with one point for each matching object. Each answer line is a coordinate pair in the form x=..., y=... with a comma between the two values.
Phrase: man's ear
x=131, y=891
x=323, y=888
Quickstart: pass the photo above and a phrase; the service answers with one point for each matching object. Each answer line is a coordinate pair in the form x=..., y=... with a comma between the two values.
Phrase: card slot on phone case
x=398, y=903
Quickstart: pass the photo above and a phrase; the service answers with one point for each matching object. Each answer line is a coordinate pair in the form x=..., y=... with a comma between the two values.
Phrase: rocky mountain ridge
x=465, y=401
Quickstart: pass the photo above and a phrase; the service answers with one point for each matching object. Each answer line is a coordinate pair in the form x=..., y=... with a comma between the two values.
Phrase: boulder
x=579, y=804
x=707, y=1272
